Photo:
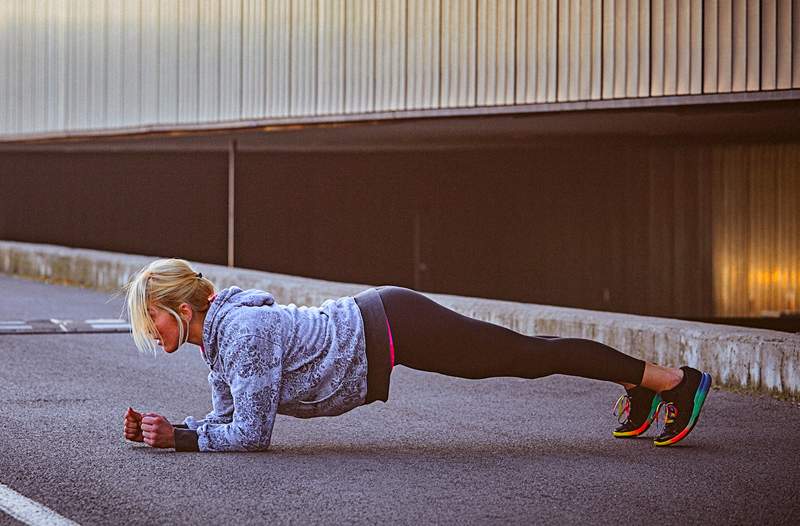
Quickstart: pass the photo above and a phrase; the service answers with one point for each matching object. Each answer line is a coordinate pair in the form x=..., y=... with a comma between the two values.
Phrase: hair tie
x=199, y=274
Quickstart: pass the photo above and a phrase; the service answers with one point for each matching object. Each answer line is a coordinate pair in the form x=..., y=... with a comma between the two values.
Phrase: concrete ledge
x=759, y=360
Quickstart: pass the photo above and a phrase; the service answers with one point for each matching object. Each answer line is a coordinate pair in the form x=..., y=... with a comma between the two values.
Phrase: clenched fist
x=157, y=431
x=133, y=425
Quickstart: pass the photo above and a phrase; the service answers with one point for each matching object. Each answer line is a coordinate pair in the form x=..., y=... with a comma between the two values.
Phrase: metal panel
x=360, y=56
x=253, y=58
x=710, y=46
x=277, y=97
x=725, y=46
x=610, y=51
x=188, y=61
x=168, y=59
x=230, y=55
x=209, y=35
x=644, y=48
x=459, y=26
x=149, y=66
x=131, y=57
x=496, y=43
x=330, y=64
x=696, y=47
x=422, y=70
x=303, y=61
x=753, y=45
x=768, y=44
x=740, y=44
x=5, y=30
x=390, y=55
x=784, y=44
x=796, y=43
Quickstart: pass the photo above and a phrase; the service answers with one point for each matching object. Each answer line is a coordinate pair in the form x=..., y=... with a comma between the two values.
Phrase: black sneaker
x=638, y=409
x=682, y=405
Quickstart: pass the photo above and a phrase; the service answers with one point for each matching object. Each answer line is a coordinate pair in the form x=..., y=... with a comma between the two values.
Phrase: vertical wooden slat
x=278, y=56
x=574, y=54
x=5, y=64
x=495, y=52
x=458, y=54
x=753, y=45
x=784, y=45
x=768, y=44
x=391, y=55
x=330, y=53
x=39, y=33
x=360, y=56
x=740, y=41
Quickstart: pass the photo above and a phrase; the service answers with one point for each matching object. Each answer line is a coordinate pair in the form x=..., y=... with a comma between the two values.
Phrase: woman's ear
x=186, y=312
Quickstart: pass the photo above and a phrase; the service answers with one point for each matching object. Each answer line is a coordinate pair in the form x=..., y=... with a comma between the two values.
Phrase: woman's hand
x=133, y=425
x=157, y=431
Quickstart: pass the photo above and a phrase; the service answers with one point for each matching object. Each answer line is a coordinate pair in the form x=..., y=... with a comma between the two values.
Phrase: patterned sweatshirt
x=267, y=358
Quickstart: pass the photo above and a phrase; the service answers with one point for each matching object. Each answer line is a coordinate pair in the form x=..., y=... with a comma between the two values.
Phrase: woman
x=266, y=358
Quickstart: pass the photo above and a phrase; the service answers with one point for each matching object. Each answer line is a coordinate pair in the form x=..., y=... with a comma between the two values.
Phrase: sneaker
x=635, y=411
x=682, y=405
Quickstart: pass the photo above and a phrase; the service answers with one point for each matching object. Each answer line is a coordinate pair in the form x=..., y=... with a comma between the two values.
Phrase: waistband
x=378, y=340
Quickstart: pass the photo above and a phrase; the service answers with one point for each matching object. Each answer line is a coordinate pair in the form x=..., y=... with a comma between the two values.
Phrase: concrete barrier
x=755, y=359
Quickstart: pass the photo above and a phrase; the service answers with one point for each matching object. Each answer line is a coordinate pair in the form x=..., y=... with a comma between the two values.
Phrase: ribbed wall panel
x=82, y=65
x=278, y=58
x=303, y=61
x=331, y=61
x=422, y=61
x=253, y=58
x=360, y=56
x=495, y=53
x=755, y=191
x=459, y=49
x=168, y=78
x=390, y=55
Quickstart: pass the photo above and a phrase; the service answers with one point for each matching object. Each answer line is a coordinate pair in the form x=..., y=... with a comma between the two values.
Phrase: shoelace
x=670, y=412
x=622, y=409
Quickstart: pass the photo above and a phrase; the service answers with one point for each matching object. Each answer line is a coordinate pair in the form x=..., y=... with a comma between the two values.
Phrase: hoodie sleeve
x=221, y=403
x=253, y=366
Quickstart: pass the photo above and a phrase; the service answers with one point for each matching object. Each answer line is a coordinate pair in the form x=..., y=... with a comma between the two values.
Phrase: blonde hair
x=164, y=284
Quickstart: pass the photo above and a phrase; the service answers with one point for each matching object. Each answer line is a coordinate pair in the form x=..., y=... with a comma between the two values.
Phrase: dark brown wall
x=617, y=224
x=143, y=203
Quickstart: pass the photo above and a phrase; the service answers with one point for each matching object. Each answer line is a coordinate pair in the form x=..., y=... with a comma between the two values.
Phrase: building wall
x=79, y=66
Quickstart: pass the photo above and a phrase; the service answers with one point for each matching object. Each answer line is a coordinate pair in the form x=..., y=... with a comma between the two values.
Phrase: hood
x=227, y=301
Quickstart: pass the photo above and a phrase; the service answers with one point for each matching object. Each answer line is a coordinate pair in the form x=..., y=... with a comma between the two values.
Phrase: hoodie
x=265, y=358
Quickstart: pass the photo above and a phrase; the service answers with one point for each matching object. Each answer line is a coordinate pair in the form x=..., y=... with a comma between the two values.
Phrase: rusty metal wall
x=81, y=65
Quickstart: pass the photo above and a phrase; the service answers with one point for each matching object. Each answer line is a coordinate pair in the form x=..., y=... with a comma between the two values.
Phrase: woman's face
x=167, y=327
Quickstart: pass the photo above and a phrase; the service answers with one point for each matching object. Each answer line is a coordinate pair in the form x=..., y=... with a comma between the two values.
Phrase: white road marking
x=110, y=326
x=105, y=320
x=11, y=328
x=29, y=511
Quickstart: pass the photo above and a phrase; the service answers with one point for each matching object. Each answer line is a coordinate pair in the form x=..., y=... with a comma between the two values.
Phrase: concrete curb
x=758, y=360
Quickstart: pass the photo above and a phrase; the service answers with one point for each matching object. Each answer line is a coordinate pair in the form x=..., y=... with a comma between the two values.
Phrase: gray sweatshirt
x=267, y=358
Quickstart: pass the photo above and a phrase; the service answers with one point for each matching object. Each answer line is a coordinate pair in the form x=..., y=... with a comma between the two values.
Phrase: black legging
x=430, y=337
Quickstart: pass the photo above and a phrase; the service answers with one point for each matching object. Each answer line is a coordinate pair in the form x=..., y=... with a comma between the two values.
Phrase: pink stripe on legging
x=391, y=344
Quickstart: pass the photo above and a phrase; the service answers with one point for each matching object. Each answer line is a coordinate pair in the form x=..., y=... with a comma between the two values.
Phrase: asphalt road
x=442, y=450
